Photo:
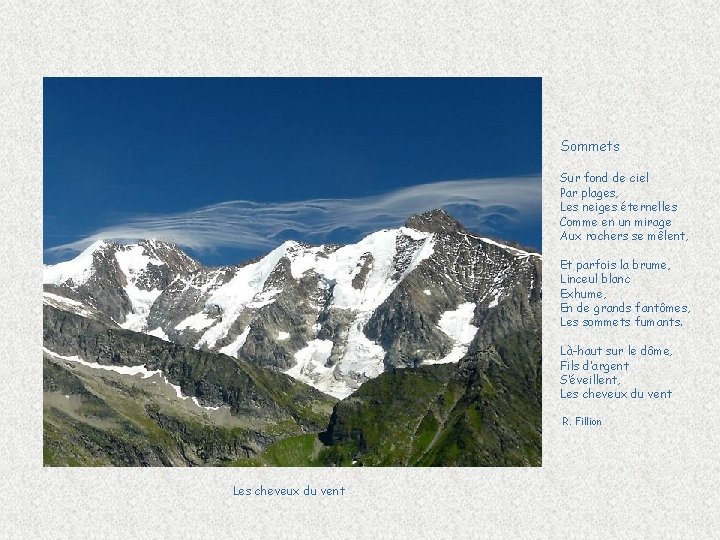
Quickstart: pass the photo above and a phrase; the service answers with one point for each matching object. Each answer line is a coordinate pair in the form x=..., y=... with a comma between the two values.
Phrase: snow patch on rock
x=457, y=325
x=77, y=270
x=310, y=368
x=362, y=358
x=159, y=333
x=66, y=304
x=134, y=263
x=244, y=290
x=197, y=321
x=236, y=345
x=131, y=371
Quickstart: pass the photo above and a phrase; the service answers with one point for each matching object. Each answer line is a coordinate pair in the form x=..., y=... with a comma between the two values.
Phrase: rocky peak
x=331, y=316
x=170, y=254
x=434, y=221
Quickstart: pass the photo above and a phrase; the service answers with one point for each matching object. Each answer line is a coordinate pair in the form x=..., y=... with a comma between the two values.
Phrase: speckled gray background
x=644, y=74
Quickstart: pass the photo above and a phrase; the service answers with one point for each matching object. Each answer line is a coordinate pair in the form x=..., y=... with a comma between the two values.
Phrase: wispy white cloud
x=484, y=204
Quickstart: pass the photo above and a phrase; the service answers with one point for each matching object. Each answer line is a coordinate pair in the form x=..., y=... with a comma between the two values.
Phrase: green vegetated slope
x=296, y=451
x=485, y=411
x=482, y=412
x=99, y=417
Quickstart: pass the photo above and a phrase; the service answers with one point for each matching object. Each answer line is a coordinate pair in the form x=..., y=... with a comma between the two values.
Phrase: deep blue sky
x=116, y=147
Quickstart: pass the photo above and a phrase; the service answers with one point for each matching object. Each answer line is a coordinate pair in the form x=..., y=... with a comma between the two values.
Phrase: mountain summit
x=331, y=316
x=434, y=221
x=151, y=358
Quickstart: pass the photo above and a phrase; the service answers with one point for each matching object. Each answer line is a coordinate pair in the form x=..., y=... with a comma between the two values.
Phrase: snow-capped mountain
x=331, y=316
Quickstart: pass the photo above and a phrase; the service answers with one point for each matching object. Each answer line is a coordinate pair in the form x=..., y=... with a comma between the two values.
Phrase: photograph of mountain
x=292, y=272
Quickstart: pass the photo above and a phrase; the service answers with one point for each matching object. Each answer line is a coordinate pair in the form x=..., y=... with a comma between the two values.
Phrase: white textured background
x=642, y=73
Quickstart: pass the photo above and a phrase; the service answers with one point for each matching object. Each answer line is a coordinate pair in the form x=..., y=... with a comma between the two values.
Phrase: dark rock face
x=104, y=290
x=365, y=264
x=506, y=289
x=434, y=221
x=228, y=410
x=214, y=378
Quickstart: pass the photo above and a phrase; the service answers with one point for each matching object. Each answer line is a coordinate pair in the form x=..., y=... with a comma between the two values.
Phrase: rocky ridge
x=331, y=316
